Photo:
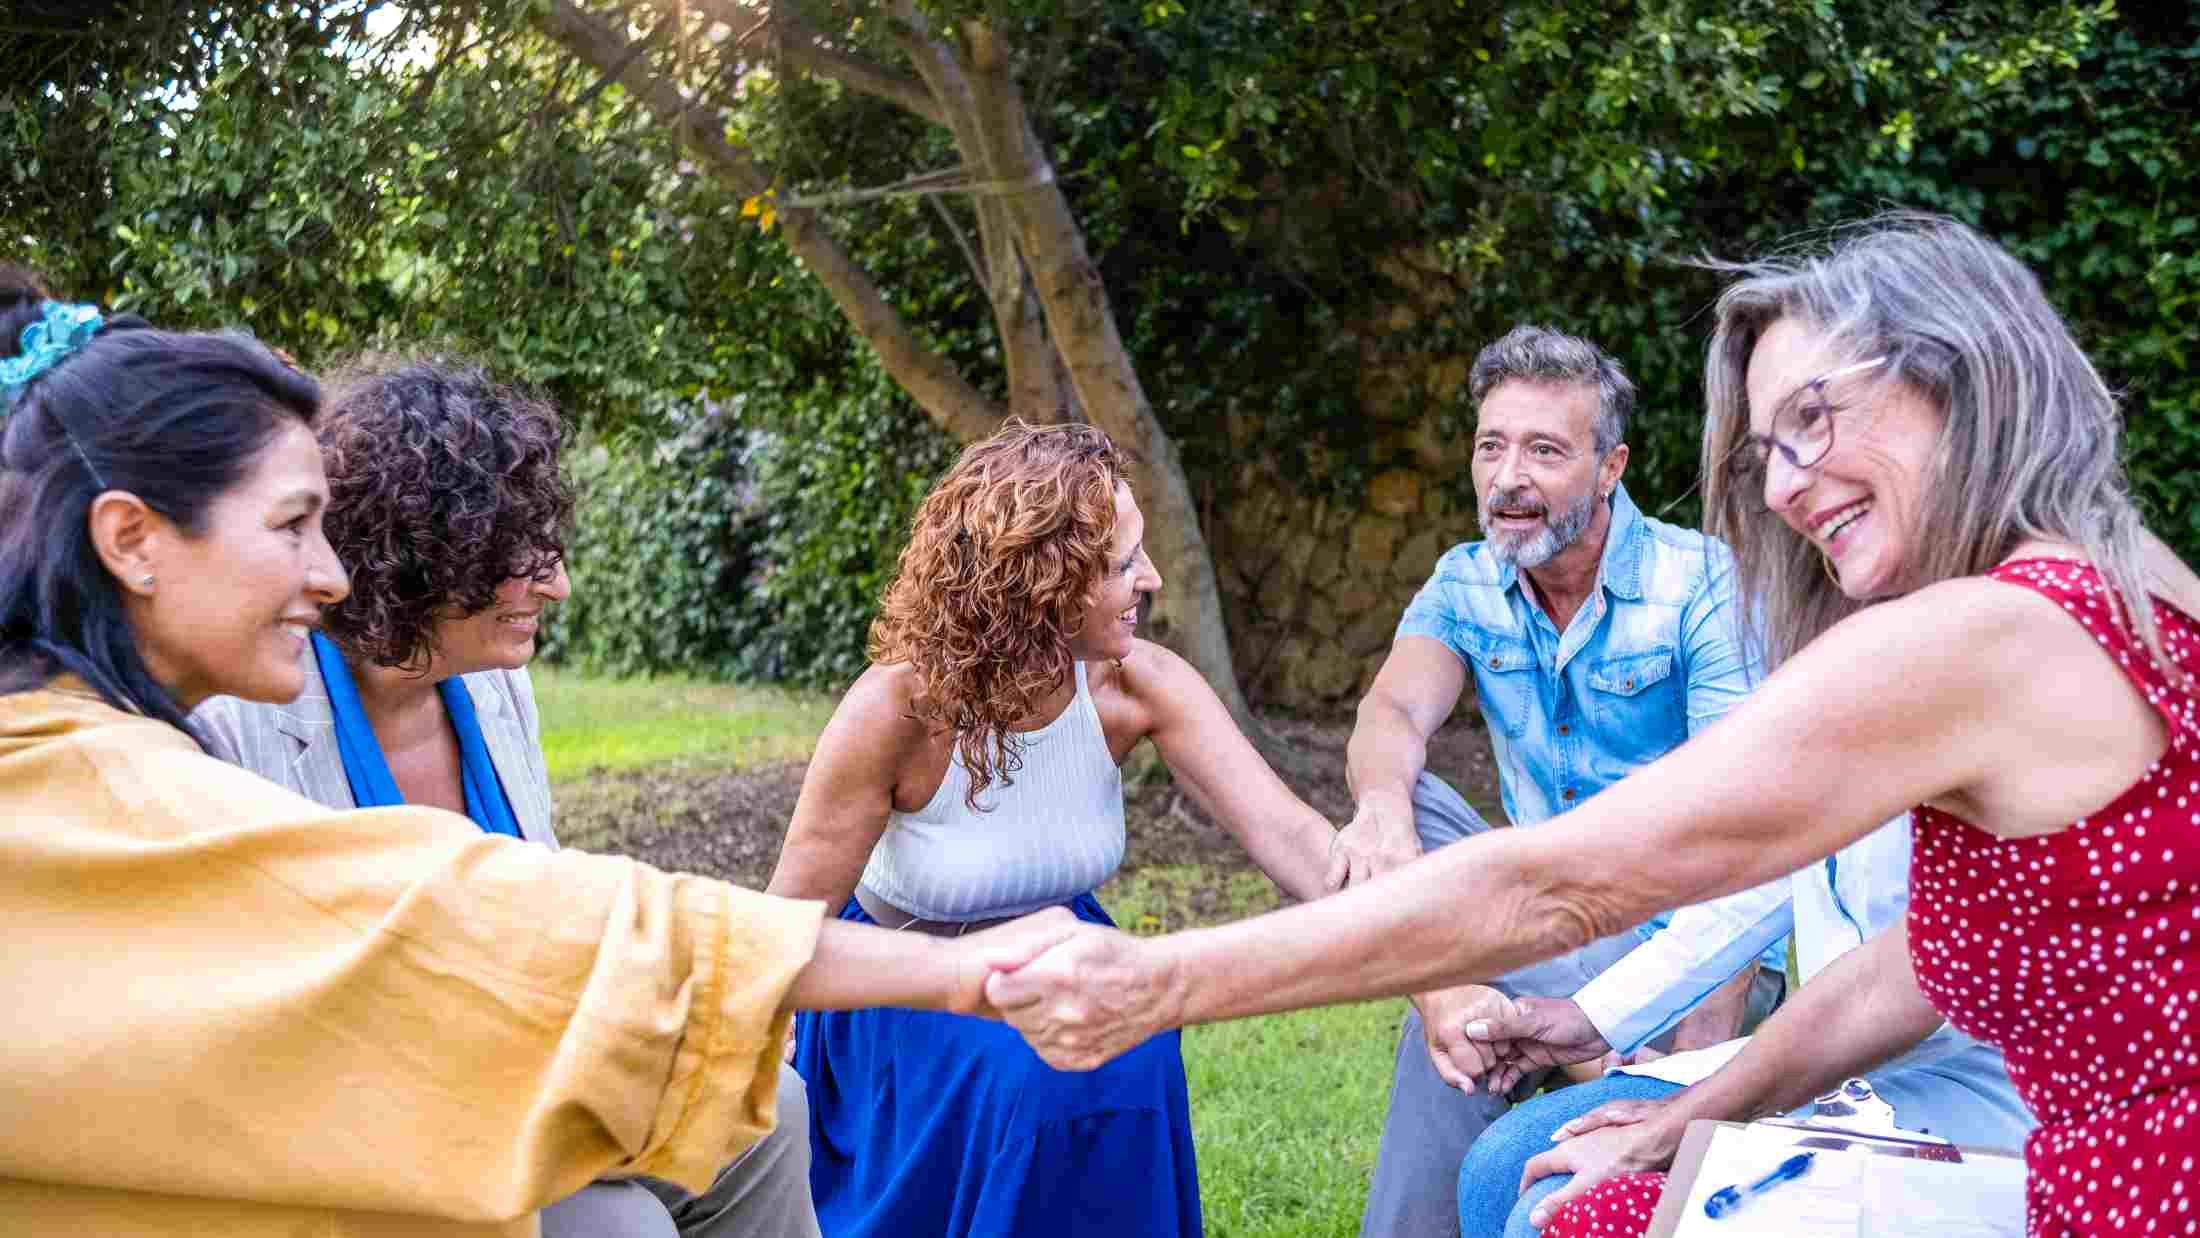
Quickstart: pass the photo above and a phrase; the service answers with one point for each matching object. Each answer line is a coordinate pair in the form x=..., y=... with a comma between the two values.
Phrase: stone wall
x=1313, y=588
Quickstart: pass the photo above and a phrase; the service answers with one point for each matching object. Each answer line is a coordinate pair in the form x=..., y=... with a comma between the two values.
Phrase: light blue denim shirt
x=1653, y=656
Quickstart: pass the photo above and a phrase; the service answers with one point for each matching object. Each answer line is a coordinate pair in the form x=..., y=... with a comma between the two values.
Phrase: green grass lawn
x=607, y=725
x=1287, y=1110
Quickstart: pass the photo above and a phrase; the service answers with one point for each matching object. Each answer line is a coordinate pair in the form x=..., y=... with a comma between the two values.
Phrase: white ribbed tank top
x=1055, y=832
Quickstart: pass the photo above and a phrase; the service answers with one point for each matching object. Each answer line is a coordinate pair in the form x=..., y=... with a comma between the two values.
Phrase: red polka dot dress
x=1618, y=1207
x=2077, y=954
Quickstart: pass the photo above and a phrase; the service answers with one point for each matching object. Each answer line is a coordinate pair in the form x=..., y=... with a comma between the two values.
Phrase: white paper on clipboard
x=1981, y=1198
x=1823, y=1203
x=1873, y=1188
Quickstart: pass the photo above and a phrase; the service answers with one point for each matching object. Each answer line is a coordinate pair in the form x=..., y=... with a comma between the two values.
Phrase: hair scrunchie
x=61, y=329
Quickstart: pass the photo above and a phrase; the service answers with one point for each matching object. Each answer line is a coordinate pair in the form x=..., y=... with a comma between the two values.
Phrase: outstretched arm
x=1220, y=768
x=1769, y=788
x=1413, y=693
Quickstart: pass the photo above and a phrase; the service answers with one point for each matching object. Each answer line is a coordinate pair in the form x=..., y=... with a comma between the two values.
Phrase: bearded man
x=1598, y=639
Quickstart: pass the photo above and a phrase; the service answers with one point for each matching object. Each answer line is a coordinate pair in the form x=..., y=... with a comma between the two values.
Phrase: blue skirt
x=941, y=1124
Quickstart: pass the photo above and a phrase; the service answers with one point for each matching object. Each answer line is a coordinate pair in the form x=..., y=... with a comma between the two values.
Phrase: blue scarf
x=368, y=771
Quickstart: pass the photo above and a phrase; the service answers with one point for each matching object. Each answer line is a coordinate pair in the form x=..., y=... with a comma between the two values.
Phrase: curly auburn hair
x=993, y=584
x=443, y=484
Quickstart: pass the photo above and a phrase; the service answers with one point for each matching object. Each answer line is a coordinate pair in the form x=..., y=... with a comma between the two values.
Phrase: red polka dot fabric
x=1619, y=1207
x=2075, y=954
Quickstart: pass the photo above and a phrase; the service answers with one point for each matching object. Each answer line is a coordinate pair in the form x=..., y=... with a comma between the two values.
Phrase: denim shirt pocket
x=1505, y=677
x=1637, y=690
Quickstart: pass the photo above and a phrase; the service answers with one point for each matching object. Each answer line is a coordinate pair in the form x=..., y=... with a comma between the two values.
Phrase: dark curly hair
x=443, y=484
x=993, y=583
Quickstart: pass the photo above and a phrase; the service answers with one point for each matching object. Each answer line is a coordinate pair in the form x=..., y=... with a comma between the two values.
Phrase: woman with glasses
x=235, y=1011
x=448, y=506
x=1917, y=468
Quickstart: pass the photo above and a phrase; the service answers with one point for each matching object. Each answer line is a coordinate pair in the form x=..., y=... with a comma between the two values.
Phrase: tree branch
x=946, y=397
x=801, y=47
x=962, y=241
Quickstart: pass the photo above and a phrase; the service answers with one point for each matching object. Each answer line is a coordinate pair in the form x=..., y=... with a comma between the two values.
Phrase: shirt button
x=1562, y=728
x=1496, y=663
x=1629, y=685
x=1567, y=794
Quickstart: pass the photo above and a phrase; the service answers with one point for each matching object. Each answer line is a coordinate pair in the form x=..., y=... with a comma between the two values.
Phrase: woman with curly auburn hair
x=972, y=774
x=448, y=507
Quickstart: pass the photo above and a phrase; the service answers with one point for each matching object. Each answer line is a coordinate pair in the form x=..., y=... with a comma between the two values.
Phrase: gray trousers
x=1415, y=1190
x=764, y=1193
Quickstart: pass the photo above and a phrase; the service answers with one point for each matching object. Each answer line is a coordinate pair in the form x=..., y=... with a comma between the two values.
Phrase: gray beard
x=1540, y=547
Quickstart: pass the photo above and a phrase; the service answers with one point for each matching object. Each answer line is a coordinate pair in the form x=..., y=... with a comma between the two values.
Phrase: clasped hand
x=1091, y=994
x=1477, y=1036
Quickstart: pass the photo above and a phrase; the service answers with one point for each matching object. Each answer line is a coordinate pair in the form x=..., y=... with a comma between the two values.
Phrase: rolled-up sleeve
x=1432, y=613
x=1703, y=947
x=246, y=995
x=1720, y=672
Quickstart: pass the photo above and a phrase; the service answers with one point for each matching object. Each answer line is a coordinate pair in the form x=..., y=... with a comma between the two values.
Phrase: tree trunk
x=1187, y=614
x=1064, y=355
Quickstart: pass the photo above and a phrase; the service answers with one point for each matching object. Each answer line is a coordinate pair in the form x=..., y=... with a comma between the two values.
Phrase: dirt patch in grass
x=729, y=824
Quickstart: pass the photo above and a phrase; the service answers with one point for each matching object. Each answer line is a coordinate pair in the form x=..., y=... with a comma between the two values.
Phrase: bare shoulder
x=878, y=711
x=1971, y=615
x=1152, y=674
x=1972, y=652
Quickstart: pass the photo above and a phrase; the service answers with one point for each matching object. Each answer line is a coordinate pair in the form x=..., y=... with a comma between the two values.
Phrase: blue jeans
x=1490, y=1199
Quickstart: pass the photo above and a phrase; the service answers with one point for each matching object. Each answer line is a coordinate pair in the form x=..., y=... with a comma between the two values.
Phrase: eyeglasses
x=1802, y=430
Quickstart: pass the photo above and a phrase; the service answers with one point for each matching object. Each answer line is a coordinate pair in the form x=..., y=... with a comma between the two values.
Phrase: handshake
x=1478, y=1036
x=1080, y=993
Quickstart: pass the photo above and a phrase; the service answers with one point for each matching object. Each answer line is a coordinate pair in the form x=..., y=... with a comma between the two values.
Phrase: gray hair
x=2028, y=447
x=1541, y=355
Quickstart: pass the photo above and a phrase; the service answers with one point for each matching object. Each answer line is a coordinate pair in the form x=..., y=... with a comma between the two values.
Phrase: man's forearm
x=1718, y=1018
x=1386, y=753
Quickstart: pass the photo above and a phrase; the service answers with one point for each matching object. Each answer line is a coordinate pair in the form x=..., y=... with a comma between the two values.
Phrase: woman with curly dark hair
x=244, y=1013
x=447, y=505
x=972, y=774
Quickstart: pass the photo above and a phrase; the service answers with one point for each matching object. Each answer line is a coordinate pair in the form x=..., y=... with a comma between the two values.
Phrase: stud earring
x=146, y=581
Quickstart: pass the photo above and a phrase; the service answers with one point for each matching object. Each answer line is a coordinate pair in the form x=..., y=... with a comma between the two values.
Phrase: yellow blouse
x=229, y=1010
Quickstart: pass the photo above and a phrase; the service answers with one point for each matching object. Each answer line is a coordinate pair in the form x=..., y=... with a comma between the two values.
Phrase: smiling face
x=1537, y=479
x=1859, y=505
x=230, y=606
x=501, y=638
x=1111, y=607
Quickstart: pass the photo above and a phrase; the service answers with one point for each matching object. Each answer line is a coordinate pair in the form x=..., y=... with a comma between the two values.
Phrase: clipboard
x=1671, y=1220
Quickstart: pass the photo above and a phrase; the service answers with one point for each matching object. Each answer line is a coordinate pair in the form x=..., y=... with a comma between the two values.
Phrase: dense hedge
x=736, y=552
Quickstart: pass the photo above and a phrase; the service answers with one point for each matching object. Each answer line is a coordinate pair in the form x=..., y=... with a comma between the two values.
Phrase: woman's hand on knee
x=1625, y=1112
x=1604, y=1153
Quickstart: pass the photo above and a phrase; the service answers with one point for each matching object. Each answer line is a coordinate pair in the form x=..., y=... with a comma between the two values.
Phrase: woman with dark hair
x=447, y=505
x=1918, y=470
x=239, y=1012
x=972, y=774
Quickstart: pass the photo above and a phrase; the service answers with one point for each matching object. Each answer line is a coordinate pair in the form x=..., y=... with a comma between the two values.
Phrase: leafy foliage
x=1278, y=198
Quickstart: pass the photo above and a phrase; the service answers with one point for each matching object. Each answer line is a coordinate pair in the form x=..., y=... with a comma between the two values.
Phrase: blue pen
x=1727, y=1198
